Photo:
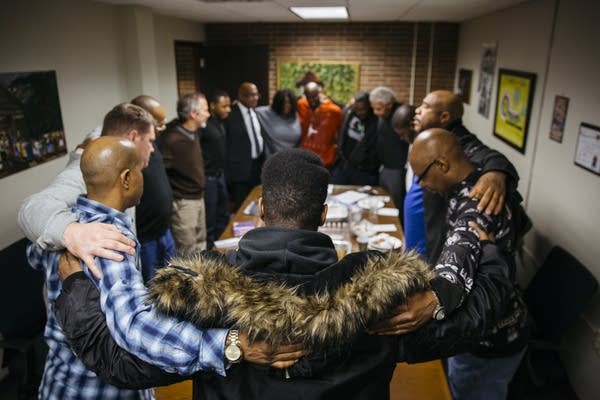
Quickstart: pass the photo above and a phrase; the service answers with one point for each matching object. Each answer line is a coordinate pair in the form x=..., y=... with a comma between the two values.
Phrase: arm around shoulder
x=78, y=312
x=44, y=216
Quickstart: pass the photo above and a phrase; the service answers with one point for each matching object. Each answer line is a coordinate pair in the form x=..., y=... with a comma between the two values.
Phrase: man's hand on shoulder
x=490, y=190
x=410, y=316
x=86, y=241
x=282, y=356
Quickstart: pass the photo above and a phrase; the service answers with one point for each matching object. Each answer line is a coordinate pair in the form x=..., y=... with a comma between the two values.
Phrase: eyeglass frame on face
x=425, y=171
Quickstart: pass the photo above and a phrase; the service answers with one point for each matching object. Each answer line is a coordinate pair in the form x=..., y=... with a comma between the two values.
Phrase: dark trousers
x=393, y=181
x=156, y=253
x=215, y=202
x=345, y=174
x=240, y=190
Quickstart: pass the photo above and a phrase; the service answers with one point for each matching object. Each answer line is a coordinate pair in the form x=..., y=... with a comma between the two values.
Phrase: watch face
x=233, y=353
x=439, y=314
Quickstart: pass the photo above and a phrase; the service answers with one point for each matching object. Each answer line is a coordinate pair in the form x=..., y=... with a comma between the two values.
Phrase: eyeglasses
x=424, y=174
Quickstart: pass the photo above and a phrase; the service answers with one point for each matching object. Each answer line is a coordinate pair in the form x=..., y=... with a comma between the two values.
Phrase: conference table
x=340, y=197
x=410, y=381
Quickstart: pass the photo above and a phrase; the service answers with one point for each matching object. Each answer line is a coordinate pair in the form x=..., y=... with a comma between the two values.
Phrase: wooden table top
x=337, y=189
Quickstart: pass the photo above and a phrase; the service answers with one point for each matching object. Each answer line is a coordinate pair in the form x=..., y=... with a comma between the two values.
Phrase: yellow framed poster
x=513, y=107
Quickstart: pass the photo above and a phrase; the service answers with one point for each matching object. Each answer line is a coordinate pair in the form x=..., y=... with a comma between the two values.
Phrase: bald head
x=438, y=160
x=108, y=165
x=248, y=94
x=450, y=102
x=154, y=107
x=312, y=91
x=402, y=122
x=435, y=143
x=438, y=109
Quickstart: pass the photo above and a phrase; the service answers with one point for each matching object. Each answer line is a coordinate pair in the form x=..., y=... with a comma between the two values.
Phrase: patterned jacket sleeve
x=460, y=332
x=458, y=262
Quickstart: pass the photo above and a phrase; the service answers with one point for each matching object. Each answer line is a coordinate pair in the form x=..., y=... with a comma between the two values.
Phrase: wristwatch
x=439, y=313
x=233, y=348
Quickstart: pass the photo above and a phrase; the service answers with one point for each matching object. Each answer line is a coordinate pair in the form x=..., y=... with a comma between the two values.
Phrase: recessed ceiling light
x=320, y=12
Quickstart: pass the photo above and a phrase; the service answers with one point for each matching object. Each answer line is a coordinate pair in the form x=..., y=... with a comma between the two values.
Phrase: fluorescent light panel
x=320, y=12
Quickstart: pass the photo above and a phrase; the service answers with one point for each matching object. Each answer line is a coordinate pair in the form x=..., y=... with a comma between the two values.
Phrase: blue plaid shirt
x=170, y=344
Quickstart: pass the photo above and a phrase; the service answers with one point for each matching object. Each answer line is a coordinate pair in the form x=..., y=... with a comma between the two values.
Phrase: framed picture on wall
x=587, y=154
x=486, y=78
x=464, y=84
x=513, y=107
x=31, y=126
x=559, y=117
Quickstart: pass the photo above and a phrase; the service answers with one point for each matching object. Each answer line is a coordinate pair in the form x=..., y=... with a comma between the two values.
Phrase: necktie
x=254, y=137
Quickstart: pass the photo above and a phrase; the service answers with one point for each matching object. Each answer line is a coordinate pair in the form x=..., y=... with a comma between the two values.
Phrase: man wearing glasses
x=496, y=181
x=441, y=166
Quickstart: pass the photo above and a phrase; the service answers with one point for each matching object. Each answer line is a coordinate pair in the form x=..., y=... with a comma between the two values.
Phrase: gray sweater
x=279, y=133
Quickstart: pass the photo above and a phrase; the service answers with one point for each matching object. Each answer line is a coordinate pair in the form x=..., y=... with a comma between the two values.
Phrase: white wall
x=561, y=198
x=102, y=55
x=80, y=41
x=514, y=31
x=166, y=31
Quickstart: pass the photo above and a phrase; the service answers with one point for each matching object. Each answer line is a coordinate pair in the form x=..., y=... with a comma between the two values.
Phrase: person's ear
x=132, y=134
x=261, y=208
x=125, y=177
x=445, y=118
x=443, y=164
x=324, y=214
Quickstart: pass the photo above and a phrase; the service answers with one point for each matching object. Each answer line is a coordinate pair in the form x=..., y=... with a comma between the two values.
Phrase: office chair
x=22, y=314
x=556, y=297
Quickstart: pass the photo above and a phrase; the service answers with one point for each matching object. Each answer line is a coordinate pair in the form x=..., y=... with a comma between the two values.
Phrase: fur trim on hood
x=211, y=293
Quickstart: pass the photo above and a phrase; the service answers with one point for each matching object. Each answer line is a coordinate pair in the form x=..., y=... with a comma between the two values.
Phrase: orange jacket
x=319, y=128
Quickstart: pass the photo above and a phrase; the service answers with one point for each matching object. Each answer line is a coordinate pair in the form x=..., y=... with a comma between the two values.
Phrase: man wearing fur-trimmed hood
x=288, y=285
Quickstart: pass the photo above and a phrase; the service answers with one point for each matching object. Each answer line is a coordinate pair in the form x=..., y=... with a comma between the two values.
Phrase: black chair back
x=22, y=308
x=558, y=293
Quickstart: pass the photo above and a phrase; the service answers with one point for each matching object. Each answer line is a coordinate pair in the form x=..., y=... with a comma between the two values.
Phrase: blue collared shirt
x=172, y=345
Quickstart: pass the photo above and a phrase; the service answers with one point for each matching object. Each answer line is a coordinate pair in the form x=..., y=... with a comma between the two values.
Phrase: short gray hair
x=383, y=95
x=186, y=104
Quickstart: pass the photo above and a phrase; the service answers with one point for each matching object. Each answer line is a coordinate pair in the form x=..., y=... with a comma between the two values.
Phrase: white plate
x=363, y=228
x=384, y=242
x=370, y=203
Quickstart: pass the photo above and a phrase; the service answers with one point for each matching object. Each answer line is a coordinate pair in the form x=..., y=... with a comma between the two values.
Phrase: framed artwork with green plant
x=340, y=79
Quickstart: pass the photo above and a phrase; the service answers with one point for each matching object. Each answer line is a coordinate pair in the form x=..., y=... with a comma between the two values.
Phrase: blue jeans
x=156, y=253
x=215, y=201
x=473, y=378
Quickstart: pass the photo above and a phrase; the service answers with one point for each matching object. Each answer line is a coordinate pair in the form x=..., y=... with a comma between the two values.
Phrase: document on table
x=388, y=212
x=227, y=243
x=350, y=197
x=384, y=227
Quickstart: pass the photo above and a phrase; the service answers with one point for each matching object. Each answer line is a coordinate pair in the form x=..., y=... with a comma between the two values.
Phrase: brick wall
x=383, y=50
